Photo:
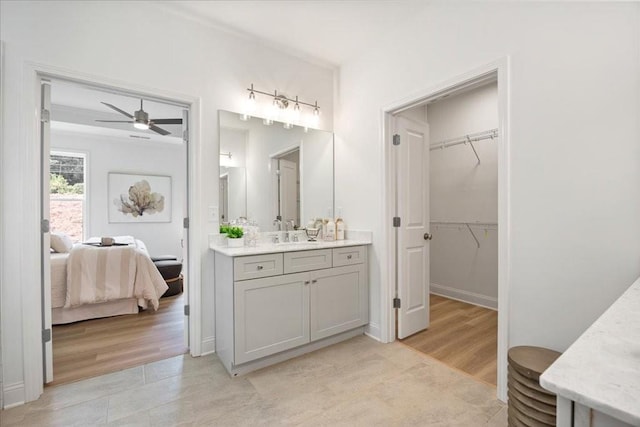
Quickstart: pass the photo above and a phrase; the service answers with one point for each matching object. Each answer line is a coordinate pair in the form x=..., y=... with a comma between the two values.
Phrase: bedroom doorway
x=135, y=161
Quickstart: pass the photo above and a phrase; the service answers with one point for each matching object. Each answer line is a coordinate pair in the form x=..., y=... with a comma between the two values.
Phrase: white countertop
x=268, y=248
x=601, y=369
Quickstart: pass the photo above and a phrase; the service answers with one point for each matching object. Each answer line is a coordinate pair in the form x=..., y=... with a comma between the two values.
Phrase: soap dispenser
x=339, y=226
x=331, y=230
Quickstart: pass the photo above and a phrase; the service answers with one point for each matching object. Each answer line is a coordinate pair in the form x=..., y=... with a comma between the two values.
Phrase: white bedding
x=148, y=285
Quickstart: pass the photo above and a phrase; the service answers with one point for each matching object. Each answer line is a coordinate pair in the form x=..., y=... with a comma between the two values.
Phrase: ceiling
x=328, y=31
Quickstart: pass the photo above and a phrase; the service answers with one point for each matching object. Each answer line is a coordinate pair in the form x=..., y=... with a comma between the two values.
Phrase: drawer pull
x=314, y=281
x=349, y=256
x=260, y=267
x=306, y=282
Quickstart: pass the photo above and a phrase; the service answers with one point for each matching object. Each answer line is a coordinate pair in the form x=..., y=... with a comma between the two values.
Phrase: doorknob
x=428, y=236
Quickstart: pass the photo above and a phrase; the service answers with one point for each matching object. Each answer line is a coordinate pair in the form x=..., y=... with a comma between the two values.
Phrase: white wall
x=96, y=40
x=461, y=190
x=574, y=171
x=108, y=154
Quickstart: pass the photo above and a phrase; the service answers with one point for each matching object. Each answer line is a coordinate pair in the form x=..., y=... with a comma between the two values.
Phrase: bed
x=90, y=281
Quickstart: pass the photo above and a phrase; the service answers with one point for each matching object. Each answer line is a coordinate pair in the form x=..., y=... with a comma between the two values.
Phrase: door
x=224, y=198
x=288, y=190
x=185, y=229
x=339, y=300
x=412, y=206
x=45, y=146
x=270, y=315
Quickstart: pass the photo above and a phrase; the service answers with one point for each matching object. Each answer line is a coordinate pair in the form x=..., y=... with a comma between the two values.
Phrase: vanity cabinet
x=275, y=306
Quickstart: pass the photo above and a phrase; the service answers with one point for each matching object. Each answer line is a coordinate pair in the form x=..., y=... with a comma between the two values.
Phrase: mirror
x=270, y=172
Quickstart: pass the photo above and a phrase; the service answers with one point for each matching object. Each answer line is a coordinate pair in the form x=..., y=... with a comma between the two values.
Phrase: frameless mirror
x=270, y=173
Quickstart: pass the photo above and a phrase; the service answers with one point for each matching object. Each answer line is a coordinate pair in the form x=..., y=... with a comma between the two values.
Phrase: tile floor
x=355, y=383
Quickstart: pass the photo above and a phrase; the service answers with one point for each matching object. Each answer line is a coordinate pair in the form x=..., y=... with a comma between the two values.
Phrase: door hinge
x=46, y=335
x=186, y=310
x=45, y=115
x=44, y=226
x=396, y=221
x=396, y=139
x=185, y=222
x=396, y=303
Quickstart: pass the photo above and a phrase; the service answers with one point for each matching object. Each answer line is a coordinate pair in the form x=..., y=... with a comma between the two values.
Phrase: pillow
x=61, y=243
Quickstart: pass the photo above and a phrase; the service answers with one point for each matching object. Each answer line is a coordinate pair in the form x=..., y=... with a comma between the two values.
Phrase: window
x=67, y=194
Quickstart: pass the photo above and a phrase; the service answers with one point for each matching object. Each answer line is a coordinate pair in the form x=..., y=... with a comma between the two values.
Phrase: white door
x=412, y=169
x=288, y=190
x=185, y=230
x=224, y=198
x=47, y=343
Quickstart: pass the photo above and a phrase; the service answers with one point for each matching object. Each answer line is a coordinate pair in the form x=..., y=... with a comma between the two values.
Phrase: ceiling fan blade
x=158, y=130
x=115, y=121
x=167, y=121
x=113, y=107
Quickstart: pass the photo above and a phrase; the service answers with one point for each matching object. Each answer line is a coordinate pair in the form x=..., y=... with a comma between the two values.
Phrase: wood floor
x=96, y=347
x=461, y=335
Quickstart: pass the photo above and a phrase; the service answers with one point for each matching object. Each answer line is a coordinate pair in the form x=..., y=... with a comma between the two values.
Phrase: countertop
x=601, y=369
x=268, y=248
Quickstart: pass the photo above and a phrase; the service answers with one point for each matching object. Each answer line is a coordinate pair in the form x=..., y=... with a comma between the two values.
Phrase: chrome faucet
x=278, y=223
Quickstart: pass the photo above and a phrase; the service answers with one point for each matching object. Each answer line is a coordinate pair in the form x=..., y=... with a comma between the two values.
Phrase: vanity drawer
x=348, y=256
x=296, y=262
x=256, y=266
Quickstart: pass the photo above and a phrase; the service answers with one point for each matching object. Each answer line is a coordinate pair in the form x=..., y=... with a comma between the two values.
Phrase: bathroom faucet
x=278, y=223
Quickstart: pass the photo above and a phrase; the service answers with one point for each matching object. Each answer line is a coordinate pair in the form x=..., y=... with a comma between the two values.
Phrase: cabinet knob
x=314, y=281
x=260, y=267
x=306, y=282
x=349, y=256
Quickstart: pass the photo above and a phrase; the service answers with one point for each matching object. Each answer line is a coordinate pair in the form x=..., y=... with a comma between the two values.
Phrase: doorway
x=409, y=289
x=463, y=211
x=286, y=178
x=141, y=139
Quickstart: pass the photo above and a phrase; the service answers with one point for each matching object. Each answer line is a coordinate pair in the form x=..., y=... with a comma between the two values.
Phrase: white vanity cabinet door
x=271, y=315
x=339, y=300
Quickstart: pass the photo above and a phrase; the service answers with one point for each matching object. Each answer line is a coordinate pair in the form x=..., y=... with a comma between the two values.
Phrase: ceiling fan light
x=140, y=125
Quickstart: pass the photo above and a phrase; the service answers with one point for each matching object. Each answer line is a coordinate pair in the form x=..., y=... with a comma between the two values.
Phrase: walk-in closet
x=463, y=207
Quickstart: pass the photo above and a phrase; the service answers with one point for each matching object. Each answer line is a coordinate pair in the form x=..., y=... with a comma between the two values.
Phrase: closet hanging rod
x=472, y=137
x=463, y=223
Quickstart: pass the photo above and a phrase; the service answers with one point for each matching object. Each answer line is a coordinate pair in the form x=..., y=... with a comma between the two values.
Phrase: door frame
x=32, y=355
x=494, y=71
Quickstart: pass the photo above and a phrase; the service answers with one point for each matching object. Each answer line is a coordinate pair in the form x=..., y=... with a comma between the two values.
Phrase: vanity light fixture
x=279, y=106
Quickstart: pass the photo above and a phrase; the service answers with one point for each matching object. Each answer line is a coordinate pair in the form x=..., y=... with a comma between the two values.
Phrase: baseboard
x=208, y=346
x=372, y=330
x=464, y=296
x=13, y=395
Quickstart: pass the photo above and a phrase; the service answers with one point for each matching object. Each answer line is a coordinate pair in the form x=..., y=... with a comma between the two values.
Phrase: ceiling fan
x=141, y=120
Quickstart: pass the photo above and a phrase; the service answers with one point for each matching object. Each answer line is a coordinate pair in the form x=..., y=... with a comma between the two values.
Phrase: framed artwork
x=139, y=198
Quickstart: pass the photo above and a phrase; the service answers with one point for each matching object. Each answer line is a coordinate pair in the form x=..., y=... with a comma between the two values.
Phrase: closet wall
x=463, y=191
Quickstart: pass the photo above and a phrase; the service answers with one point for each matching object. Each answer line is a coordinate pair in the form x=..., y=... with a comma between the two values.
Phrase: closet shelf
x=466, y=139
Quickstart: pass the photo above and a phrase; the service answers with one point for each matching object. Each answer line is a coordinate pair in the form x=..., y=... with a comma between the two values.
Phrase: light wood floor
x=461, y=335
x=99, y=346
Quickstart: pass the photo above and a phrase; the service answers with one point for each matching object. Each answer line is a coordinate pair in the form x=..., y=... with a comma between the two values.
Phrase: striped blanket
x=100, y=274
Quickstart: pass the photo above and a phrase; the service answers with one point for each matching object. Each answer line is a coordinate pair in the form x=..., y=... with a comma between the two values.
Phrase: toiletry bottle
x=324, y=229
x=339, y=226
x=331, y=230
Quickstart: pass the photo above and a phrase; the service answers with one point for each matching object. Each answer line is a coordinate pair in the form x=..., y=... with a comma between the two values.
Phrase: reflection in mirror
x=233, y=177
x=288, y=173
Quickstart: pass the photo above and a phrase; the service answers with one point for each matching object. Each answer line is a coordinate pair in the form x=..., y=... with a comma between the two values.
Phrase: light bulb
x=250, y=104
